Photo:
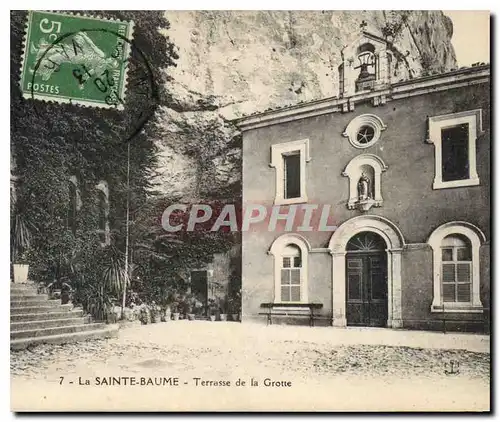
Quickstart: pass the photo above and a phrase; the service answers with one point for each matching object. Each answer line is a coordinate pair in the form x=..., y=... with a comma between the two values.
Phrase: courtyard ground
x=320, y=368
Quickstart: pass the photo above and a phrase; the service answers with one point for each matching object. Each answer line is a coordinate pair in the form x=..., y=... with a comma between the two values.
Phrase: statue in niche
x=364, y=188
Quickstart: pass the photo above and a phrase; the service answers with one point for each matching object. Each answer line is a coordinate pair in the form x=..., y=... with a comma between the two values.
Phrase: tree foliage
x=52, y=142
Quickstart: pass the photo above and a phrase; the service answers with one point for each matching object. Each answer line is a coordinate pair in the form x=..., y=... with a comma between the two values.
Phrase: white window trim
x=476, y=237
x=277, y=152
x=353, y=172
x=352, y=129
x=103, y=187
x=276, y=251
x=474, y=119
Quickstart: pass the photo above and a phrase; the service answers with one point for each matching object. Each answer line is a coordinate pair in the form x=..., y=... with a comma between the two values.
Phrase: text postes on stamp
x=76, y=59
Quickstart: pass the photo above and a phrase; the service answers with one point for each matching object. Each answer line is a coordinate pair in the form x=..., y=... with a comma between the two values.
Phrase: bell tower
x=366, y=64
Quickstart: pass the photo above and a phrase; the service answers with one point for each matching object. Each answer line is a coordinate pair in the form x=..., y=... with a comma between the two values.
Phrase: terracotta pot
x=235, y=317
x=21, y=273
x=166, y=316
x=190, y=317
x=175, y=316
x=212, y=317
x=223, y=317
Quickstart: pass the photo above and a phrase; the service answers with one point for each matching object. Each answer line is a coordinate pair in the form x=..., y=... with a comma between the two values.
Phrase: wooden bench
x=290, y=309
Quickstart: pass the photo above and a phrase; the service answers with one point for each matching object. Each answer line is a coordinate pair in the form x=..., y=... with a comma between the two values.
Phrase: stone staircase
x=36, y=319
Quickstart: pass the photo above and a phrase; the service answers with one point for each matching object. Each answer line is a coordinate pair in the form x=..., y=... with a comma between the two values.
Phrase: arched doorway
x=366, y=279
x=394, y=243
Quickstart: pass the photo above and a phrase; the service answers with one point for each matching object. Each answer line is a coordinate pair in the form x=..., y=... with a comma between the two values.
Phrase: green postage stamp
x=76, y=59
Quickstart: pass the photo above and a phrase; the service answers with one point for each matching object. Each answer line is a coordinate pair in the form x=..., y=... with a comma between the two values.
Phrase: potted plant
x=166, y=313
x=212, y=309
x=189, y=307
x=175, y=310
x=143, y=314
x=223, y=310
x=234, y=306
x=198, y=308
x=21, y=239
x=155, y=312
x=21, y=269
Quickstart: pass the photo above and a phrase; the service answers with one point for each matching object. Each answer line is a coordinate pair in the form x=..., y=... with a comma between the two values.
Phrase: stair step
x=20, y=296
x=43, y=316
x=106, y=332
x=47, y=323
x=31, y=301
x=23, y=286
x=44, y=332
x=40, y=309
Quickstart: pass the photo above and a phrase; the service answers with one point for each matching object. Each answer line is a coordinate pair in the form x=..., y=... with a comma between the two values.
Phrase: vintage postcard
x=250, y=211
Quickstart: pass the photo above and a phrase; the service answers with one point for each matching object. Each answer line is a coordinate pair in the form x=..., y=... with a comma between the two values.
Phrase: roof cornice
x=420, y=86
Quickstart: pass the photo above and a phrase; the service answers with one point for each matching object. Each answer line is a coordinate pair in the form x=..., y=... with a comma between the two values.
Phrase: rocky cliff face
x=233, y=63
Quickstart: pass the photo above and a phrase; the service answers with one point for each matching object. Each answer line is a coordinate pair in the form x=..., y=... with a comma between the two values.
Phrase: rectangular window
x=455, y=152
x=454, y=137
x=290, y=280
x=291, y=163
x=290, y=159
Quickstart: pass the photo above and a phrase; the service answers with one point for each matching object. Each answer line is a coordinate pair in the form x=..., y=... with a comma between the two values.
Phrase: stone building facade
x=405, y=169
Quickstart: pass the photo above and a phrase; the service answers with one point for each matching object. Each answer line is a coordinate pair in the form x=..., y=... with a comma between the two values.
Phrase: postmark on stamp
x=76, y=59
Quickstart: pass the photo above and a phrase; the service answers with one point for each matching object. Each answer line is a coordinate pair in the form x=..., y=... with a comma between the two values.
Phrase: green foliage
x=52, y=142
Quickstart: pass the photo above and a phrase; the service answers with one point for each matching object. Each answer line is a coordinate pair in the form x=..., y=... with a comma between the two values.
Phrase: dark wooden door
x=199, y=286
x=366, y=291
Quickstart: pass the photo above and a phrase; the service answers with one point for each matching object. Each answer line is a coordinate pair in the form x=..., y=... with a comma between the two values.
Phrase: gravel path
x=227, y=351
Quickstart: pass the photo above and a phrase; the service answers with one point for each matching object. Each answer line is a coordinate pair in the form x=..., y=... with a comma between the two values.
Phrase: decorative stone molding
x=405, y=89
x=354, y=170
x=379, y=100
x=364, y=120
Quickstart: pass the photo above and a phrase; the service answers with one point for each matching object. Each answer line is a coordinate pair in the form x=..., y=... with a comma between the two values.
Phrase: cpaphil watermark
x=251, y=217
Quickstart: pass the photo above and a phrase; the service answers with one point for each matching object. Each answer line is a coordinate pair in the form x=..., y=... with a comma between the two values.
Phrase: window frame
x=73, y=181
x=352, y=129
x=289, y=269
x=102, y=186
x=278, y=151
x=277, y=250
x=435, y=125
x=476, y=238
x=455, y=261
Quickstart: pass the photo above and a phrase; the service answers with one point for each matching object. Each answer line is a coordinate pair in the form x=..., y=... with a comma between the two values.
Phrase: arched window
x=103, y=210
x=456, y=267
x=73, y=205
x=290, y=262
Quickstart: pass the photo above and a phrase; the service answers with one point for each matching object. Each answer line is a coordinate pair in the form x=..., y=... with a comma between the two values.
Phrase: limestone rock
x=233, y=63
